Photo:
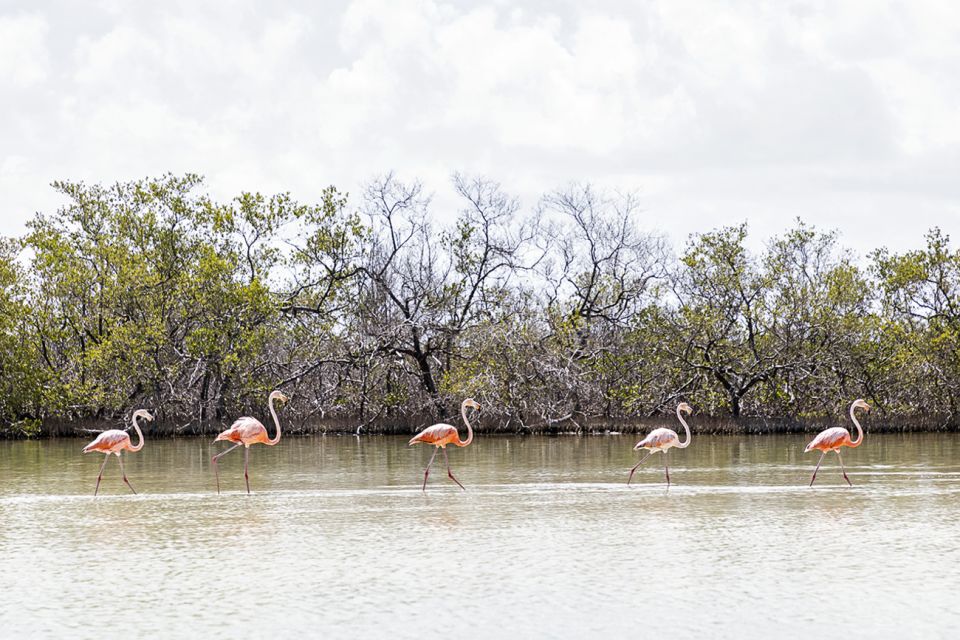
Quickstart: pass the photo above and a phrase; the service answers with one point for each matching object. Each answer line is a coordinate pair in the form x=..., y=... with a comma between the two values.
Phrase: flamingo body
x=439, y=435
x=659, y=440
x=112, y=441
x=245, y=431
x=830, y=440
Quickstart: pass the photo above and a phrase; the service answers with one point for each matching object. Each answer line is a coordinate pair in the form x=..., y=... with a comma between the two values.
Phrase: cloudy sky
x=846, y=114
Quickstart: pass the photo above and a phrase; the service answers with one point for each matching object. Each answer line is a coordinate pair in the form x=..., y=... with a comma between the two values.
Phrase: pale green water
x=338, y=541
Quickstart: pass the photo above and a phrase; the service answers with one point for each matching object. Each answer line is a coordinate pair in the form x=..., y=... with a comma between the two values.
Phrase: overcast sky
x=846, y=114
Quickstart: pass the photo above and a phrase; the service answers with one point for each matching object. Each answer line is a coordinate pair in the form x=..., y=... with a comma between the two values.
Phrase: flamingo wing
x=247, y=424
x=434, y=434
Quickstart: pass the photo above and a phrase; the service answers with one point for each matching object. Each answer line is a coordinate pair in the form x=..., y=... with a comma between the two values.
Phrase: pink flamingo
x=247, y=431
x=116, y=441
x=662, y=440
x=834, y=438
x=440, y=435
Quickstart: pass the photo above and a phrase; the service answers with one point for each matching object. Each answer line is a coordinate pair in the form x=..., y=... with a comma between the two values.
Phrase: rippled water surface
x=337, y=540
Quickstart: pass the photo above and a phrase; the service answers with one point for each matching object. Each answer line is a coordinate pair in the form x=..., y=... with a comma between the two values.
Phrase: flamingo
x=663, y=439
x=440, y=435
x=247, y=431
x=834, y=438
x=115, y=441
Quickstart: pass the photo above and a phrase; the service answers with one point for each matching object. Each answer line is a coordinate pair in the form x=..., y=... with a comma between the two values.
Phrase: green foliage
x=921, y=302
x=146, y=292
x=151, y=294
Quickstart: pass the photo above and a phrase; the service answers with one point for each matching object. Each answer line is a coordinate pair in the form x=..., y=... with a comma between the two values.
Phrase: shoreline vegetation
x=384, y=310
x=702, y=426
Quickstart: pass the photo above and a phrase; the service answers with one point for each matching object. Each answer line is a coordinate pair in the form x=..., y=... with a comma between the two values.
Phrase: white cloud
x=23, y=51
x=840, y=112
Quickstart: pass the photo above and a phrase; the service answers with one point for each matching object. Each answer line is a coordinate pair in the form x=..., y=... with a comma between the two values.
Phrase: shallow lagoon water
x=547, y=541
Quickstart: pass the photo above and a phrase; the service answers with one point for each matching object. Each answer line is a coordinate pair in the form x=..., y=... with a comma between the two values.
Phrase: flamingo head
x=683, y=406
x=143, y=413
x=860, y=403
x=470, y=402
x=278, y=395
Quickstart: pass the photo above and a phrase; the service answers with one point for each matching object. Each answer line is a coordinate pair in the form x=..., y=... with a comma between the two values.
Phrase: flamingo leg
x=666, y=468
x=124, y=474
x=246, y=463
x=450, y=473
x=216, y=469
x=642, y=460
x=844, y=471
x=426, y=472
x=814, y=476
x=100, y=475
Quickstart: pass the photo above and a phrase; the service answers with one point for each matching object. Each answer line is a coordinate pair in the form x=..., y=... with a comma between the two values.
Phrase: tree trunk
x=735, y=405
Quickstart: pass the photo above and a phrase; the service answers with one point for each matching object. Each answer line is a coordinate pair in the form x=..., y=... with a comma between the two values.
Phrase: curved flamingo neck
x=859, y=440
x=686, y=429
x=276, y=421
x=136, y=428
x=463, y=414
